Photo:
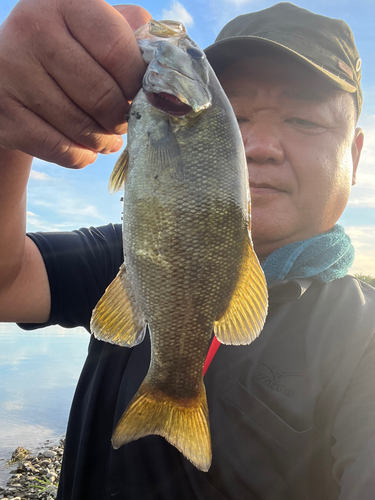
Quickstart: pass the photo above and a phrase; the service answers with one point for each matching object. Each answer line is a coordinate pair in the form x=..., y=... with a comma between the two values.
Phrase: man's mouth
x=262, y=187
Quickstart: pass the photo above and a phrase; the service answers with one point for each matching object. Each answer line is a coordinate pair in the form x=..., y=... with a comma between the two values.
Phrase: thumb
x=135, y=15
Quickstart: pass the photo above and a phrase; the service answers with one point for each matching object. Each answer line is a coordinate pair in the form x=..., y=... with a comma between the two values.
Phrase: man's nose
x=262, y=143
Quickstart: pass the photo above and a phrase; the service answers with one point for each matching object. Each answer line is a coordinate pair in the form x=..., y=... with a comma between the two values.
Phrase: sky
x=63, y=199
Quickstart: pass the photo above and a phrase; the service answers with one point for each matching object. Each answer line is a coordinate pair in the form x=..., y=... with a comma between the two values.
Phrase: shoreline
x=33, y=476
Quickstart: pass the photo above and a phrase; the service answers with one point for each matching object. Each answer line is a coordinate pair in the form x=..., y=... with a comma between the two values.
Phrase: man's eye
x=241, y=120
x=303, y=123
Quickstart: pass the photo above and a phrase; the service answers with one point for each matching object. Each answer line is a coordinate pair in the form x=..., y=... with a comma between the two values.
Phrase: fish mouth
x=168, y=103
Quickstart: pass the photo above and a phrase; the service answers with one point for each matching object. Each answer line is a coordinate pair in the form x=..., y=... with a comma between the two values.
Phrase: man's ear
x=135, y=15
x=357, y=146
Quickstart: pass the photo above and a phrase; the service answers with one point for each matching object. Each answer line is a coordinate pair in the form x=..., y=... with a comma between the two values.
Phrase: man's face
x=301, y=145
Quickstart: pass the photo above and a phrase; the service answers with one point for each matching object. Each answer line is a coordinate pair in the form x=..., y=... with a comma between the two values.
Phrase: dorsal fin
x=119, y=173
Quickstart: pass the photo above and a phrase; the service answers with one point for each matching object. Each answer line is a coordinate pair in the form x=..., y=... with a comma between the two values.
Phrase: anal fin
x=115, y=318
x=245, y=316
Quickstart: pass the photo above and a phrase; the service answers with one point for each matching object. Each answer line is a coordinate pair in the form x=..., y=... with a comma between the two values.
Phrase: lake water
x=38, y=374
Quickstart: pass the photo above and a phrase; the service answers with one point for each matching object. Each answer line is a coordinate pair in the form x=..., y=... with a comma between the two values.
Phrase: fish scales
x=186, y=235
x=187, y=250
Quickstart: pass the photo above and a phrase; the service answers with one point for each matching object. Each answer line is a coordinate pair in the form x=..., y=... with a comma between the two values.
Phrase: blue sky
x=62, y=199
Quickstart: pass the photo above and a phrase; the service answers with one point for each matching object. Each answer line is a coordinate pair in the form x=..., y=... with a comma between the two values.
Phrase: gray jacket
x=292, y=415
x=302, y=396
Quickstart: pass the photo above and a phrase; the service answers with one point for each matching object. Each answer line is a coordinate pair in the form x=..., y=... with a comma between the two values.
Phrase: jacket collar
x=288, y=290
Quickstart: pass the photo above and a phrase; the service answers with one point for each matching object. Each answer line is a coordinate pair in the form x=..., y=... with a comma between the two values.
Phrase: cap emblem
x=345, y=68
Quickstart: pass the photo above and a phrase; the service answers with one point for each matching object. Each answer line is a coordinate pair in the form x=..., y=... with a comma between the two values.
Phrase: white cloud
x=363, y=239
x=32, y=218
x=36, y=223
x=362, y=201
x=40, y=176
x=39, y=161
x=239, y=2
x=74, y=207
x=14, y=405
x=78, y=199
x=362, y=204
x=177, y=12
x=220, y=12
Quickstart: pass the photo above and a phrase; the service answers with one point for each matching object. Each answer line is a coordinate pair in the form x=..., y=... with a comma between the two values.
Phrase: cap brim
x=225, y=52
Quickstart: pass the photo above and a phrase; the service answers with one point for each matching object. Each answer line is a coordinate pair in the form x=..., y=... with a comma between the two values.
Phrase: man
x=292, y=415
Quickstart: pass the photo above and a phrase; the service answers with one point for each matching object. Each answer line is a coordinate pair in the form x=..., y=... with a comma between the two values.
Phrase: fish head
x=177, y=77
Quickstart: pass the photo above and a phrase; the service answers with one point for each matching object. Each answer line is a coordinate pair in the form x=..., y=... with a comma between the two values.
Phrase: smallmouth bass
x=189, y=264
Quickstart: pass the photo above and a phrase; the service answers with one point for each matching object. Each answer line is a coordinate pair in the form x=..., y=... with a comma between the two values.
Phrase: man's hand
x=68, y=71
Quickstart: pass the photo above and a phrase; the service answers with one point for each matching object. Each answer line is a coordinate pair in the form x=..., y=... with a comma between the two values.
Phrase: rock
x=16, y=476
x=18, y=455
x=51, y=490
x=24, y=483
x=44, y=463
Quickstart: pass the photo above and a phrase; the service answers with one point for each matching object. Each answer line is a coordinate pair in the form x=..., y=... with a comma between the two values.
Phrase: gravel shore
x=33, y=477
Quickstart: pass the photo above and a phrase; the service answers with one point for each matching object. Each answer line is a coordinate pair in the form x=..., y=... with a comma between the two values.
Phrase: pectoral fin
x=244, y=318
x=164, y=151
x=115, y=318
x=119, y=173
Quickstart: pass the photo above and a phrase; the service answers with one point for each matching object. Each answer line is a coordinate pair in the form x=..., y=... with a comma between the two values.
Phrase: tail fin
x=183, y=423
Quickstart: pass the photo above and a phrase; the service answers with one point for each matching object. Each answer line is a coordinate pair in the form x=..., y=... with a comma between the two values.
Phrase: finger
x=55, y=107
x=110, y=41
x=45, y=98
x=25, y=131
x=135, y=15
x=86, y=84
x=53, y=49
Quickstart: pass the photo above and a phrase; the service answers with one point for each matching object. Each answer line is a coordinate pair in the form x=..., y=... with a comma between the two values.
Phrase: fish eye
x=195, y=53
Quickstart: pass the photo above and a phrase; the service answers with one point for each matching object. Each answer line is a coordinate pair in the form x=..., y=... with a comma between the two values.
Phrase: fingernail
x=117, y=146
x=94, y=157
x=113, y=149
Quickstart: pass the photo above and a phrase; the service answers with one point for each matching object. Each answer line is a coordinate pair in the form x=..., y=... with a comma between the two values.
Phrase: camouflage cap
x=323, y=43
